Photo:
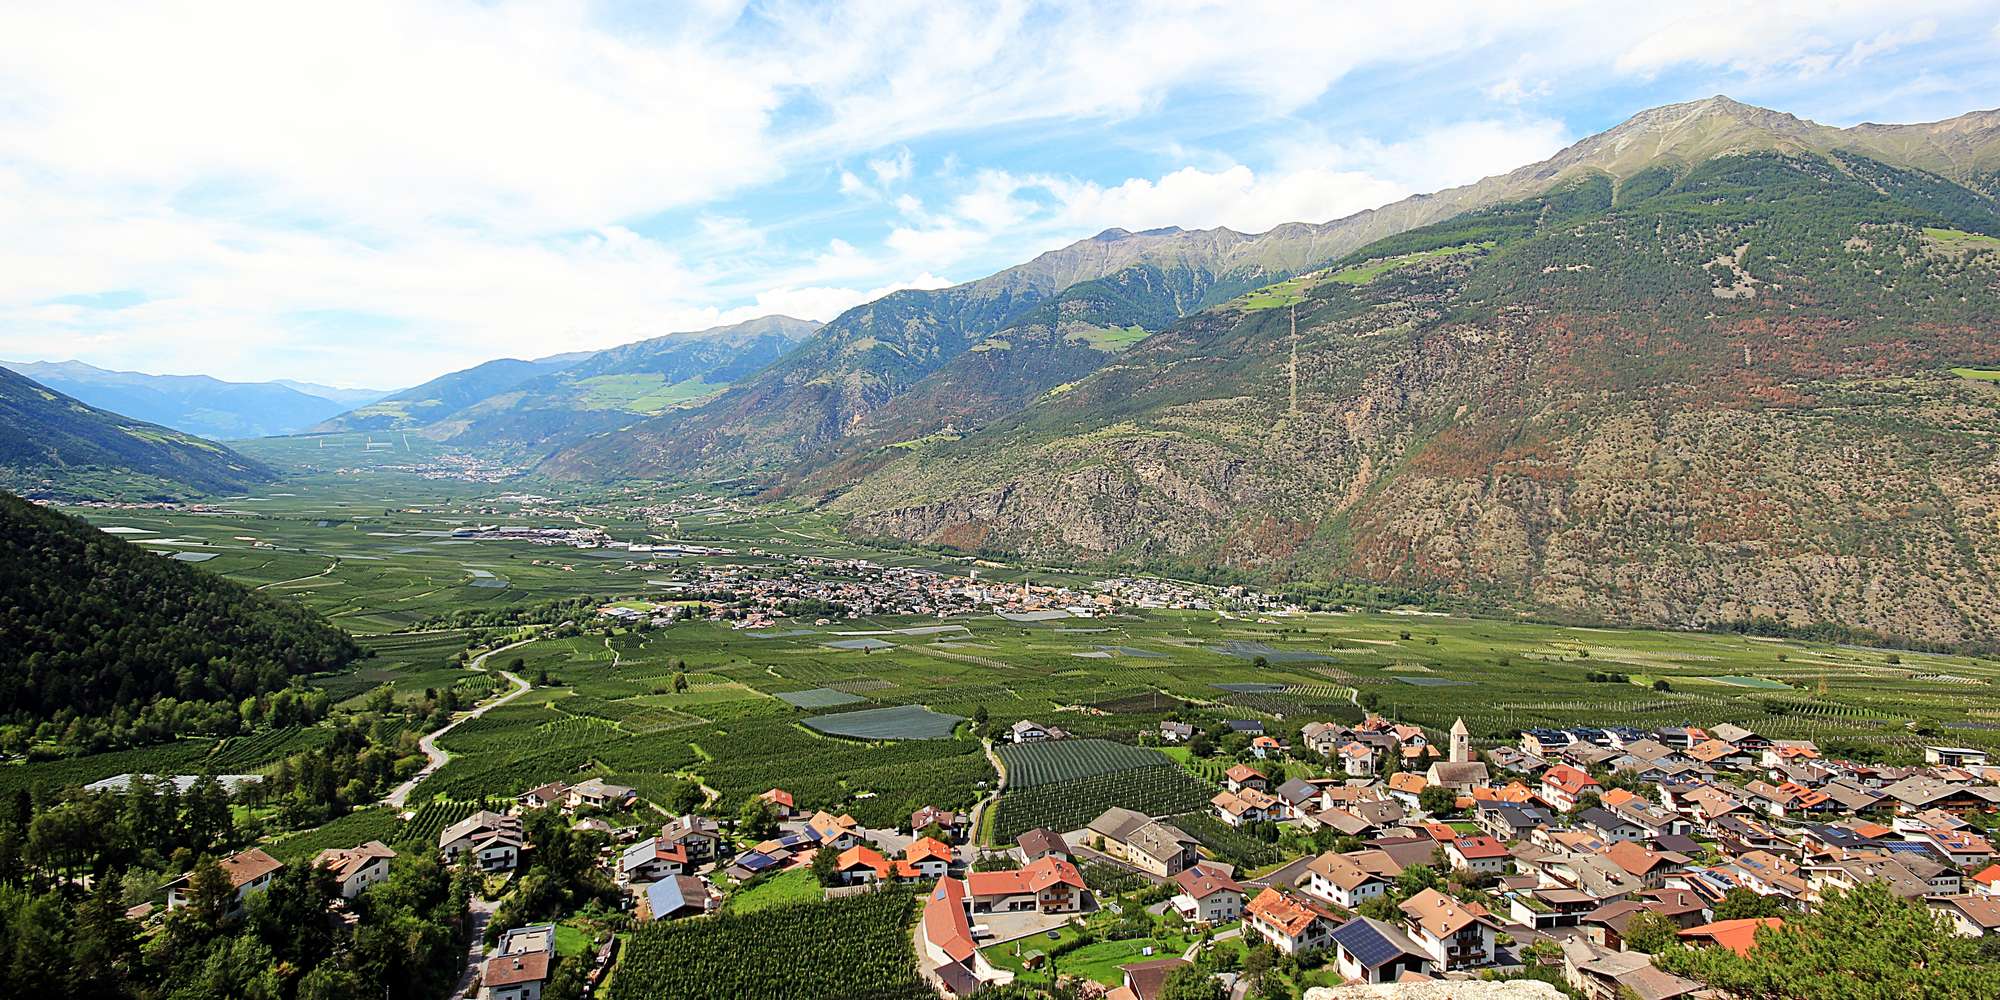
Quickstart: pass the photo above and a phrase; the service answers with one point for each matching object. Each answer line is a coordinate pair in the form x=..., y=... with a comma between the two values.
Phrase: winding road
x=437, y=757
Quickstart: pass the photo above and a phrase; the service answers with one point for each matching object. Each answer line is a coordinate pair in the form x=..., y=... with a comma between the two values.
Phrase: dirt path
x=979, y=808
x=437, y=757
x=330, y=567
x=932, y=649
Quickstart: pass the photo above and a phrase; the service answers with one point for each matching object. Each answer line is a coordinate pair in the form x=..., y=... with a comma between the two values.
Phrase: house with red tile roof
x=1292, y=924
x=949, y=823
x=1479, y=853
x=1986, y=882
x=1738, y=936
x=1051, y=885
x=931, y=856
x=1207, y=896
x=514, y=977
x=1563, y=785
x=1241, y=776
x=948, y=943
x=780, y=802
x=249, y=872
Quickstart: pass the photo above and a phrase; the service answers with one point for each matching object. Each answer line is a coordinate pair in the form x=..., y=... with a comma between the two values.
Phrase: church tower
x=1461, y=743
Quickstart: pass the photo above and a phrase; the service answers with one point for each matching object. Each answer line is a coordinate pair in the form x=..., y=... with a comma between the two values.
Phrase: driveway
x=475, y=954
x=997, y=928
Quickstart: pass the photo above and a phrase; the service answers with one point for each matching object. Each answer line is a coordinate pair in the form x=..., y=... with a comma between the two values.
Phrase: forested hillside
x=50, y=443
x=101, y=629
x=1742, y=390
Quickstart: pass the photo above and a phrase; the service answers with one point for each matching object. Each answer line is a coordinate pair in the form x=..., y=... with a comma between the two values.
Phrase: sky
x=372, y=194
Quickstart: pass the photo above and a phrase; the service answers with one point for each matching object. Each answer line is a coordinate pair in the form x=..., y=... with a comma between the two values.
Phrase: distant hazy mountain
x=1723, y=367
x=530, y=407
x=197, y=404
x=345, y=397
x=52, y=444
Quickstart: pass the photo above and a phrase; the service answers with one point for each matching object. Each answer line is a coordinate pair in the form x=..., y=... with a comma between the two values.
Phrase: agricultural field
x=1032, y=764
x=857, y=946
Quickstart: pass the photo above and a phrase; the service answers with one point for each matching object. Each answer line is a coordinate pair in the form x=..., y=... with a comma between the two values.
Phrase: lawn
x=572, y=940
x=797, y=886
x=1979, y=374
x=1098, y=961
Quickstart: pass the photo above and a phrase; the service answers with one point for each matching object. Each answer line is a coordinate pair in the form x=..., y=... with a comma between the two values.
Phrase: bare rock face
x=1518, y=989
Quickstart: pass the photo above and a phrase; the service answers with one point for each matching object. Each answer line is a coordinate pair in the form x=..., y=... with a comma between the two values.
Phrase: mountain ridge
x=56, y=445
x=816, y=417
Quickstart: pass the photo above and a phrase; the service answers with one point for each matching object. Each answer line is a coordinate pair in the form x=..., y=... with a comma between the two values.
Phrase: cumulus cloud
x=443, y=180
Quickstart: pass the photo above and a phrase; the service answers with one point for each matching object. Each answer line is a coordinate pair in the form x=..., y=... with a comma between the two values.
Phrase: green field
x=1954, y=239
x=1361, y=274
x=1981, y=374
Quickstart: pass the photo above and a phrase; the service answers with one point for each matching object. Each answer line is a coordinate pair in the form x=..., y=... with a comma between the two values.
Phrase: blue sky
x=375, y=193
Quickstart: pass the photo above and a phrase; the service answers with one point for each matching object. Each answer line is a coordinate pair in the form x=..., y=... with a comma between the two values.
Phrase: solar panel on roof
x=1368, y=945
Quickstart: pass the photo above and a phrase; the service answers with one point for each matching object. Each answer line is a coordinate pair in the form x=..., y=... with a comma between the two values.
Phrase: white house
x=1455, y=935
x=357, y=868
x=1207, y=896
x=1343, y=881
x=495, y=840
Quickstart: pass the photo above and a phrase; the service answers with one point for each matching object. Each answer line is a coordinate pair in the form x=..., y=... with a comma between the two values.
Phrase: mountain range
x=58, y=446
x=198, y=404
x=531, y=406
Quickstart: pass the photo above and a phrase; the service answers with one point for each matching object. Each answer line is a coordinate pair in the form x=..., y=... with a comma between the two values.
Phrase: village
x=1575, y=852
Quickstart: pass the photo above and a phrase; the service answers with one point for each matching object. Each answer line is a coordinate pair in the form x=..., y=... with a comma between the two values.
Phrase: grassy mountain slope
x=1714, y=386
x=444, y=396
x=905, y=368
x=197, y=404
x=51, y=444
x=95, y=624
x=614, y=387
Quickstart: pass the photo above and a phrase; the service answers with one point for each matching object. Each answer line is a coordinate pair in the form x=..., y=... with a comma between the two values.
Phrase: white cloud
x=892, y=169
x=476, y=177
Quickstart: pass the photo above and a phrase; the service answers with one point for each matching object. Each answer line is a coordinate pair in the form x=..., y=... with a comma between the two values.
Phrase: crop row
x=856, y=946
x=1032, y=764
x=1071, y=805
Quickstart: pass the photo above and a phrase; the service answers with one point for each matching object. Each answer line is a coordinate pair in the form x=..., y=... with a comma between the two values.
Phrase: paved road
x=1285, y=877
x=437, y=757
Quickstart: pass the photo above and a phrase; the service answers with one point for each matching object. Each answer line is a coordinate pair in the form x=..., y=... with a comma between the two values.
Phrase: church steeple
x=1461, y=743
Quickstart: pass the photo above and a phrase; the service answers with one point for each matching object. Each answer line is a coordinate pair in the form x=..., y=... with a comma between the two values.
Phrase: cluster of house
x=1573, y=860
x=867, y=588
